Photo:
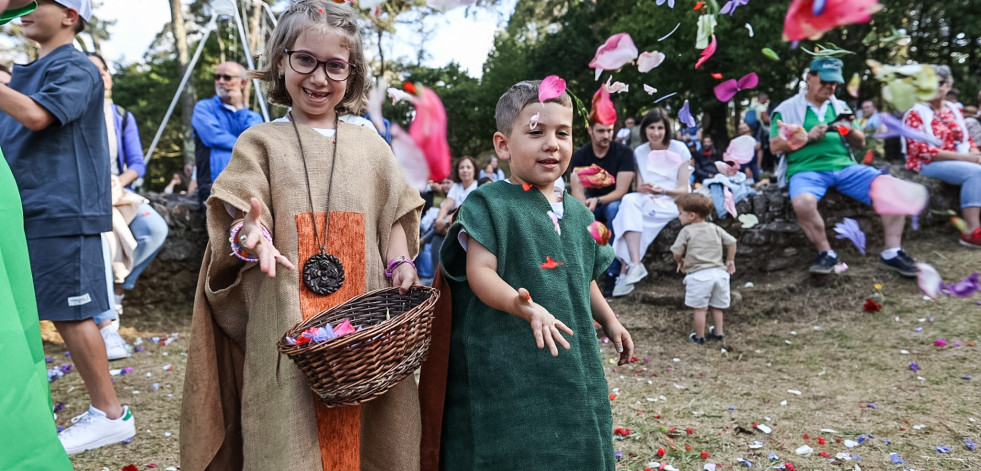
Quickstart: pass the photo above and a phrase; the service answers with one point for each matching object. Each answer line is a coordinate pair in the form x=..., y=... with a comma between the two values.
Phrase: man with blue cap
x=53, y=134
x=825, y=162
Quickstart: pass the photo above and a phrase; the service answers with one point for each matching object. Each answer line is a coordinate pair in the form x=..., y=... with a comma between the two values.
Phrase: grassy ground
x=790, y=331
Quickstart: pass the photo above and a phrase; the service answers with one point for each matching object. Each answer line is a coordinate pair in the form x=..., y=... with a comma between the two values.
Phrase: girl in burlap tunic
x=317, y=186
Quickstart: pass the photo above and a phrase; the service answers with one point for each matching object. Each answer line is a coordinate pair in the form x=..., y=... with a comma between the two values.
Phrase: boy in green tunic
x=520, y=256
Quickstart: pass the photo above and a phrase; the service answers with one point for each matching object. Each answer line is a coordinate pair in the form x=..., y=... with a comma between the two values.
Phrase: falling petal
x=818, y=7
x=617, y=51
x=928, y=280
x=849, y=229
x=725, y=168
x=770, y=54
x=649, y=60
x=594, y=176
x=599, y=232
x=555, y=221
x=802, y=23
x=603, y=111
x=684, y=115
x=896, y=128
x=665, y=97
x=730, y=7
x=707, y=53
x=410, y=157
x=662, y=38
x=794, y=134
x=670, y=2
x=750, y=28
x=551, y=87
x=959, y=224
x=729, y=202
x=649, y=89
x=891, y=195
x=717, y=76
x=706, y=29
x=964, y=288
x=398, y=95
x=748, y=220
x=664, y=162
x=854, y=84
x=428, y=131
x=618, y=87
x=741, y=150
x=533, y=121
x=841, y=268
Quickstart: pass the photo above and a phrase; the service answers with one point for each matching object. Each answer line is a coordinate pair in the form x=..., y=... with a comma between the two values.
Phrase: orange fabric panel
x=338, y=428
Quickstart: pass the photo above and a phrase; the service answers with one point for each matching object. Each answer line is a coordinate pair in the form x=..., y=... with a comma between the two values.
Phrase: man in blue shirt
x=218, y=121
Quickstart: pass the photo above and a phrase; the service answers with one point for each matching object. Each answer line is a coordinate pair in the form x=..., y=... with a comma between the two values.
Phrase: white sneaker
x=635, y=273
x=94, y=430
x=116, y=347
x=622, y=288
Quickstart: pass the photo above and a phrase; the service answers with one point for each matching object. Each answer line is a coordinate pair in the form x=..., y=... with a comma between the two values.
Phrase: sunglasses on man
x=225, y=77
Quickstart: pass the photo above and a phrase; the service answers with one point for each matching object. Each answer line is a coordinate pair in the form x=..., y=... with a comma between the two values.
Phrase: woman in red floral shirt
x=956, y=161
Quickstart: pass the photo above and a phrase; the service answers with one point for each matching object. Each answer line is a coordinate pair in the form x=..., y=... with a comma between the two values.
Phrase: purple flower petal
x=895, y=458
x=849, y=229
x=970, y=445
x=896, y=128
x=818, y=7
x=943, y=449
x=964, y=288
x=684, y=115
x=913, y=366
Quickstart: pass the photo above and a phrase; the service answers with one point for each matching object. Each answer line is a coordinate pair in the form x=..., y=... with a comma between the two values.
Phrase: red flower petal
x=704, y=455
x=690, y=431
x=707, y=52
x=661, y=452
x=699, y=6
x=130, y=467
x=409, y=87
x=551, y=263
x=526, y=186
x=687, y=447
x=717, y=76
x=821, y=441
x=613, y=396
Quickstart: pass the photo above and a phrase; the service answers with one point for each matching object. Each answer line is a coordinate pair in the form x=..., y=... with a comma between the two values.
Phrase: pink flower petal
x=707, y=53
x=794, y=134
x=649, y=60
x=617, y=51
x=344, y=328
x=603, y=111
x=891, y=195
x=928, y=280
x=428, y=131
x=649, y=89
x=802, y=23
x=725, y=169
x=551, y=87
x=729, y=202
x=741, y=150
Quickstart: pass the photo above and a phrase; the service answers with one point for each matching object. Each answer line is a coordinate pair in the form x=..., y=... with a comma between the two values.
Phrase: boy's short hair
x=695, y=203
x=517, y=97
x=322, y=15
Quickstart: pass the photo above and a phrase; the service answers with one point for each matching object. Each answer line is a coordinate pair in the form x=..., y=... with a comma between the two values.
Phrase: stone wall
x=776, y=243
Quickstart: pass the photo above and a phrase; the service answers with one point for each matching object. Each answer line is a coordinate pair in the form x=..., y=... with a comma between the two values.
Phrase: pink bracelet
x=238, y=248
x=395, y=262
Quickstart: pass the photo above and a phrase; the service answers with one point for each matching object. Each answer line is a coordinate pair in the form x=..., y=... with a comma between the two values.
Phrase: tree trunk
x=381, y=52
x=187, y=101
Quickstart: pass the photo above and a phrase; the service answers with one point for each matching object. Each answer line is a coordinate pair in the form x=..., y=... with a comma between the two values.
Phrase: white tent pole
x=248, y=59
x=180, y=88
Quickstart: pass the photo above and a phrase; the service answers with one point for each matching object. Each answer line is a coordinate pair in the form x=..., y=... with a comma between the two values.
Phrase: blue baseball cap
x=828, y=69
x=83, y=7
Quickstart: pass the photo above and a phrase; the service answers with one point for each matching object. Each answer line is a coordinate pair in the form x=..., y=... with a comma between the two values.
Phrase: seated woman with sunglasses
x=218, y=121
x=956, y=161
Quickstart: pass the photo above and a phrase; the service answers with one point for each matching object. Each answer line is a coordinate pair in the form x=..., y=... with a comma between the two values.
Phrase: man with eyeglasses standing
x=218, y=121
x=825, y=162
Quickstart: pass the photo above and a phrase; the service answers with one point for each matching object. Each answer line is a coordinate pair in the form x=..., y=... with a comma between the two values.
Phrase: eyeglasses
x=304, y=63
x=941, y=83
x=225, y=77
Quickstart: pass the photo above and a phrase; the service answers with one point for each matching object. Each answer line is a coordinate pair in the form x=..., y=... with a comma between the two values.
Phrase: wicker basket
x=363, y=365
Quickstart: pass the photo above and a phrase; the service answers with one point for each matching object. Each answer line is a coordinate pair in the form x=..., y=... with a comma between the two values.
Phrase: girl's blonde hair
x=325, y=16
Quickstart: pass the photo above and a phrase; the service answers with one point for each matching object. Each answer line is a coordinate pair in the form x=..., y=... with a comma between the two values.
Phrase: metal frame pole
x=248, y=59
x=180, y=88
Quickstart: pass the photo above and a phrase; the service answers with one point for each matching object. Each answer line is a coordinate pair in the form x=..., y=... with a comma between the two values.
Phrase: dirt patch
x=789, y=332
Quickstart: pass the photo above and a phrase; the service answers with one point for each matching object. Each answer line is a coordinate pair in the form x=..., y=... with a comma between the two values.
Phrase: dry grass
x=840, y=359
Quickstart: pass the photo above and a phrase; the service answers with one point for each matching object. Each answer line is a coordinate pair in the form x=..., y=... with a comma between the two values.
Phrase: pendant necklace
x=323, y=273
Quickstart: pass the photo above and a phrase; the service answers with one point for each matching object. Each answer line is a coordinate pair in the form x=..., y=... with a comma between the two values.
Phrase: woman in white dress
x=662, y=175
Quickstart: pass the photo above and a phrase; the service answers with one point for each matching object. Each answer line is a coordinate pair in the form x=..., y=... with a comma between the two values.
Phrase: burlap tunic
x=510, y=405
x=236, y=412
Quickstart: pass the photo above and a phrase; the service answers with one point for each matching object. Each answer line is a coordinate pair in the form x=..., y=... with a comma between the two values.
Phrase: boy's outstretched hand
x=548, y=330
x=252, y=239
x=621, y=340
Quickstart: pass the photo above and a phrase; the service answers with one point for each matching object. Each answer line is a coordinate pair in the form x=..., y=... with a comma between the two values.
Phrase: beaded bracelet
x=395, y=262
x=238, y=248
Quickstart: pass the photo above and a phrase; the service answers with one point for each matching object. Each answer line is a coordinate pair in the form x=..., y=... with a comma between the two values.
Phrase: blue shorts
x=853, y=181
x=69, y=277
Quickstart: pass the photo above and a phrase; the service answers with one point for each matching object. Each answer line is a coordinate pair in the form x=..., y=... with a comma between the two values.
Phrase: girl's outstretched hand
x=548, y=330
x=621, y=340
x=251, y=238
x=403, y=277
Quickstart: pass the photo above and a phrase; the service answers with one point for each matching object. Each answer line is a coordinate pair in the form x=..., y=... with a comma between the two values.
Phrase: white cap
x=83, y=7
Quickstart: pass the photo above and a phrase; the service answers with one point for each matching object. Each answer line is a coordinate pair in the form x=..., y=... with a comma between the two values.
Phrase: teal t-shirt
x=826, y=155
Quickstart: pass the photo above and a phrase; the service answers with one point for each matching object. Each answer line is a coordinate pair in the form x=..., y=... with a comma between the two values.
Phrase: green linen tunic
x=29, y=438
x=510, y=405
